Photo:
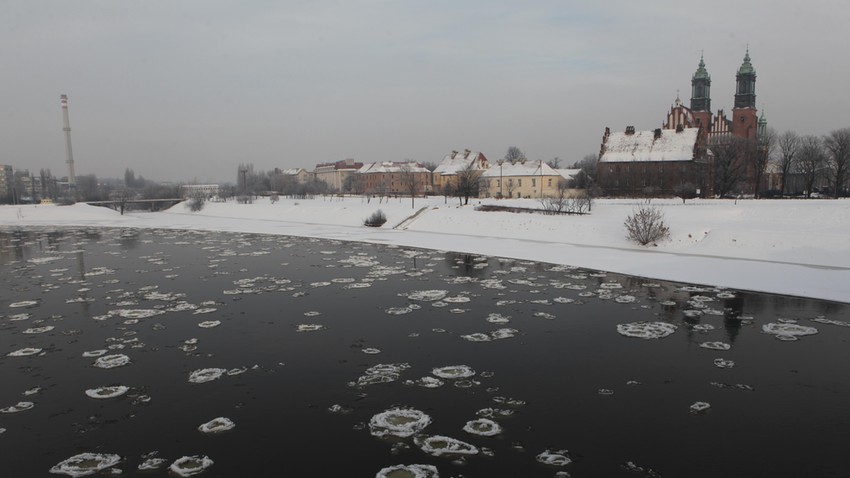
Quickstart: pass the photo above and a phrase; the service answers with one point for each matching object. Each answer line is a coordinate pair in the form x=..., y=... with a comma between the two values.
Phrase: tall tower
x=744, y=114
x=701, y=89
x=66, y=127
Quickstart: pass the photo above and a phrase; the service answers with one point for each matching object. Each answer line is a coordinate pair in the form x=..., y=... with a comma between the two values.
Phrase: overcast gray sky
x=187, y=90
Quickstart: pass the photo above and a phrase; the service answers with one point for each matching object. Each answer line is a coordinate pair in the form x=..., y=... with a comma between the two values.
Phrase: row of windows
x=519, y=182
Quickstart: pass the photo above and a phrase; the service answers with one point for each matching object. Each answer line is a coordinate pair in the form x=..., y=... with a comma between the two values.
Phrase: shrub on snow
x=377, y=219
x=646, y=225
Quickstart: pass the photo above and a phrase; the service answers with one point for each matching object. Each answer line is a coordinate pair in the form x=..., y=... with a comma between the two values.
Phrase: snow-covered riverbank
x=792, y=247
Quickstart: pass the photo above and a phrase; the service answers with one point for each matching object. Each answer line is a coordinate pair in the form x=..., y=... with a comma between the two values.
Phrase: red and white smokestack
x=66, y=127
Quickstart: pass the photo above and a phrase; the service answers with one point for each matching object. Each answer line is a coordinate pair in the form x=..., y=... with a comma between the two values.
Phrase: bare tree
x=87, y=187
x=468, y=182
x=759, y=157
x=812, y=161
x=554, y=163
x=837, y=145
x=514, y=154
x=786, y=159
x=729, y=162
x=408, y=181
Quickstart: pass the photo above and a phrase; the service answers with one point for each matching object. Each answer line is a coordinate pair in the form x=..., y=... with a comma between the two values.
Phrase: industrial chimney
x=66, y=127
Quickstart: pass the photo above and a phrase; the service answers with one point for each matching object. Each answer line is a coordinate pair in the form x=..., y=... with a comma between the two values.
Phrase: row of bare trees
x=814, y=160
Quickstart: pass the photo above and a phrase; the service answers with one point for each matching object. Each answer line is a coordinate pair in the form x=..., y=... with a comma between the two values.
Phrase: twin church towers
x=744, y=121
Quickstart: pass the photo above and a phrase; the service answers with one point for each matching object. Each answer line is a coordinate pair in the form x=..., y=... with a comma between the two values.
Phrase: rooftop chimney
x=630, y=130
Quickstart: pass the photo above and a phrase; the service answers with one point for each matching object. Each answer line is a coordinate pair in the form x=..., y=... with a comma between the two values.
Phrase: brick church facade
x=677, y=159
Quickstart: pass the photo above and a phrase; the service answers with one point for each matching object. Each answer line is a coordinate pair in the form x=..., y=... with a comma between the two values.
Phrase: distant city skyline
x=187, y=91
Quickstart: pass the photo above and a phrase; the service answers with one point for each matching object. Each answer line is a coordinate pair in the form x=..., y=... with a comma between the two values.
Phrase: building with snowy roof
x=445, y=175
x=676, y=159
x=659, y=162
x=394, y=178
x=521, y=179
x=336, y=175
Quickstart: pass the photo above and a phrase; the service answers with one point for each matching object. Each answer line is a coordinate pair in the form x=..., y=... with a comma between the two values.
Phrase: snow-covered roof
x=458, y=161
x=527, y=168
x=292, y=171
x=644, y=146
x=568, y=173
x=392, y=167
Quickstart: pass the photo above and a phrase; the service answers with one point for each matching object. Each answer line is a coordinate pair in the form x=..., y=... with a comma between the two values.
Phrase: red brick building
x=677, y=158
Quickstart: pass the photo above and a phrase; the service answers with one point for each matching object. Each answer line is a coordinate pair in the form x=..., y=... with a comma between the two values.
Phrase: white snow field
x=791, y=247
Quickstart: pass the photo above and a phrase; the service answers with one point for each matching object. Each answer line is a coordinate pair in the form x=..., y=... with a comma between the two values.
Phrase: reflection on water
x=123, y=349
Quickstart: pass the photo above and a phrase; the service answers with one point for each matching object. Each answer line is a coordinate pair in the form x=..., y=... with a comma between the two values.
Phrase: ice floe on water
x=309, y=327
x=699, y=407
x=824, y=320
x=408, y=471
x=112, y=361
x=38, y=330
x=190, y=465
x=554, y=458
x=482, y=427
x=427, y=295
x=217, y=425
x=476, y=337
x=18, y=407
x=208, y=324
x=398, y=310
x=458, y=299
x=107, y=392
x=495, y=318
x=788, y=331
x=453, y=371
x=24, y=352
x=85, y=464
x=723, y=363
x=715, y=345
x=381, y=373
x=399, y=422
x=490, y=412
x=206, y=375
x=151, y=462
x=136, y=313
x=646, y=330
x=23, y=303
x=438, y=445
x=371, y=350
x=426, y=382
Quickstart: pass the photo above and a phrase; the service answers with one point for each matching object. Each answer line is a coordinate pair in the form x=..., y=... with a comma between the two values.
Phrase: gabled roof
x=392, y=167
x=644, y=146
x=292, y=171
x=527, y=168
x=568, y=173
x=456, y=161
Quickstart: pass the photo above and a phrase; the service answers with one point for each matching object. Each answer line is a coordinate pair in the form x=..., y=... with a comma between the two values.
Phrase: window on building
x=550, y=182
x=519, y=182
x=533, y=182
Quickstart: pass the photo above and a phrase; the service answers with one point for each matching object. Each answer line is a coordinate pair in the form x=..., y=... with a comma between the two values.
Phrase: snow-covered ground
x=791, y=247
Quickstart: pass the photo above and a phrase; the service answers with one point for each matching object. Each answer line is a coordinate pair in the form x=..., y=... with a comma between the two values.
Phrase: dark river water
x=310, y=347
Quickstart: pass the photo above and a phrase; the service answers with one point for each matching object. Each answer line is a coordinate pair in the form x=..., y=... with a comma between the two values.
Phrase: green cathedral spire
x=701, y=88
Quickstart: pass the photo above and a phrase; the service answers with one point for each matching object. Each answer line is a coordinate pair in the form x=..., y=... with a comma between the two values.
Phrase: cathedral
x=678, y=158
x=744, y=122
